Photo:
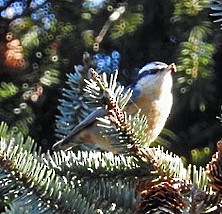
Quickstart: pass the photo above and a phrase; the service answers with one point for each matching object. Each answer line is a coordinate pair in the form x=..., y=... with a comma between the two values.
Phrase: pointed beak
x=172, y=68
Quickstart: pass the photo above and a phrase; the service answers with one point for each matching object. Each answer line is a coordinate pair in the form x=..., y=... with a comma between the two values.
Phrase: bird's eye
x=154, y=71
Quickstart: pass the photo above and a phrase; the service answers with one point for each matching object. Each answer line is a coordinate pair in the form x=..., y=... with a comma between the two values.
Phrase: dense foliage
x=47, y=52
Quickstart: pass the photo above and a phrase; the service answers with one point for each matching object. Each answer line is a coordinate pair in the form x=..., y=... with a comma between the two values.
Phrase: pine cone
x=214, y=169
x=159, y=199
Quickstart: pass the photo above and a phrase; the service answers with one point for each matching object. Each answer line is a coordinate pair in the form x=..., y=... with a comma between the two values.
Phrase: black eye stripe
x=153, y=71
x=149, y=72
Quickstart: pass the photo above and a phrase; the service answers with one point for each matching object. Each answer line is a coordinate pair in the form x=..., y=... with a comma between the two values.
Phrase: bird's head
x=154, y=78
x=155, y=70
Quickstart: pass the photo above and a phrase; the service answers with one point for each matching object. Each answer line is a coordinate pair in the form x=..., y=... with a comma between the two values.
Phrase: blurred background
x=41, y=41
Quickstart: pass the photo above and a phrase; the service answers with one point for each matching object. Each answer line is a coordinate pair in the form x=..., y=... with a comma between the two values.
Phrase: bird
x=152, y=95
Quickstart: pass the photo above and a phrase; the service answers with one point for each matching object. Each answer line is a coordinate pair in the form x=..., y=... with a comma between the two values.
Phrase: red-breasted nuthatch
x=151, y=94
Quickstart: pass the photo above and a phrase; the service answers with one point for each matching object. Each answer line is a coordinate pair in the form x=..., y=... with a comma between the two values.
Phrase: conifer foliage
x=42, y=98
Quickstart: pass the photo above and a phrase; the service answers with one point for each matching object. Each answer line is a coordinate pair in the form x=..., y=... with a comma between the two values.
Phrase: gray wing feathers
x=91, y=118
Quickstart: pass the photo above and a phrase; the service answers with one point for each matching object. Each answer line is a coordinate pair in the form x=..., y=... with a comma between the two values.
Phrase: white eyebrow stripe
x=153, y=65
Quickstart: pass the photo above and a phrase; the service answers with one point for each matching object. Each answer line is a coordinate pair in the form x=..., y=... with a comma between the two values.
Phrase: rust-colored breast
x=156, y=112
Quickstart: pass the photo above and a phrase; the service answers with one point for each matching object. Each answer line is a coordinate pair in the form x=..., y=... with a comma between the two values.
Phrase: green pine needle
x=8, y=90
x=166, y=165
x=94, y=164
x=25, y=178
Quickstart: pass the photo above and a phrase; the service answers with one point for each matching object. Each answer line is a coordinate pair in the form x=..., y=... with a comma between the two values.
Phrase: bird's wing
x=91, y=118
x=136, y=93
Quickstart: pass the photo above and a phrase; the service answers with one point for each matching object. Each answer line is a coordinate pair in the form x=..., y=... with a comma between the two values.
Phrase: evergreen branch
x=194, y=60
x=192, y=190
x=169, y=165
x=22, y=175
x=129, y=130
x=128, y=22
x=165, y=138
x=113, y=194
x=94, y=164
x=99, y=85
x=217, y=7
x=36, y=182
x=193, y=182
x=4, y=130
x=50, y=76
x=120, y=195
x=27, y=203
x=195, y=67
x=199, y=178
x=190, y=8
x=74, y=107
x=7, y=90
x=25, y=117
x=109, y=179
x=76, y=104
x=166, y=165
